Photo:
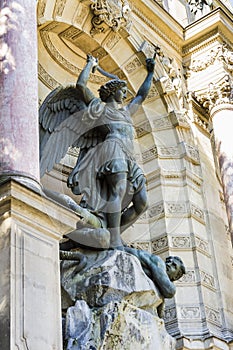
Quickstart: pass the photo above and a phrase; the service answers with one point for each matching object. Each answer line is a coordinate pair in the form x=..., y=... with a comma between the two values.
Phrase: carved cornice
x=222, y=53
x=217, y=93
x=140, y=13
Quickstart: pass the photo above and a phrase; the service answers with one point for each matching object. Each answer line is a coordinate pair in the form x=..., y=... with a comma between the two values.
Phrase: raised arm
x=81, y=84
x=144, y=89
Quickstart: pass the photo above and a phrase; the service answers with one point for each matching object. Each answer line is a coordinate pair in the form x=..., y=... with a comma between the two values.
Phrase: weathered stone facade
x=180, y=145
x=174, y=139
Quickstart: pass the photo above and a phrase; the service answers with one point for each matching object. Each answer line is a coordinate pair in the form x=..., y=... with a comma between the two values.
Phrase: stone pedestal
x=30, y=230
x=111, y=304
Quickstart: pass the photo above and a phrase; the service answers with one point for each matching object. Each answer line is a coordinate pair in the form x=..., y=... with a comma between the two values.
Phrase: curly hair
x=110, y=88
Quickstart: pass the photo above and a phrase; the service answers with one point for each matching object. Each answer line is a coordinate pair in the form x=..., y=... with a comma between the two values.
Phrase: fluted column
x=19, y=151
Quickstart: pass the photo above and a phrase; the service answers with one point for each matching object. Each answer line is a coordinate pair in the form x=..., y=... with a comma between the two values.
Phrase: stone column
x=19, y=150
x=222, y=118
x=219, y=100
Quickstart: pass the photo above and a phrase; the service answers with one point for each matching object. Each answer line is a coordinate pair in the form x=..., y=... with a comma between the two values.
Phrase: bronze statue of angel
x=107, y=175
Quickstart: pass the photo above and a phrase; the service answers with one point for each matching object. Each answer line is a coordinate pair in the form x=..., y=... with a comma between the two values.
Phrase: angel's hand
x=150, y=64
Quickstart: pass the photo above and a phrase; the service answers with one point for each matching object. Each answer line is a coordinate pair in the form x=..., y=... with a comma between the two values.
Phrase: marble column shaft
x=19, y=145
x=222, y=116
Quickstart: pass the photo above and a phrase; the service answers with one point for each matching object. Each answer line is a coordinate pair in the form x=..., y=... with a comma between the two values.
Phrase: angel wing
x=61, y=126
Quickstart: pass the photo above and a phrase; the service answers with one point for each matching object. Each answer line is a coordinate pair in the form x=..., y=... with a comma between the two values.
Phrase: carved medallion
x=112, y=14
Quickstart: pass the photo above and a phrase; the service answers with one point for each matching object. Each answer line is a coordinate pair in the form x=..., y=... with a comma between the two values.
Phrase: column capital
x=216, y=94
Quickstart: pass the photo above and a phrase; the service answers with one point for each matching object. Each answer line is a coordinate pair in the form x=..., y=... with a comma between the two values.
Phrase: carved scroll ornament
x=112, y=14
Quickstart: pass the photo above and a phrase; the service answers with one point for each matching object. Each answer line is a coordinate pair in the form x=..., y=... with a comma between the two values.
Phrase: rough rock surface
x=111, y=304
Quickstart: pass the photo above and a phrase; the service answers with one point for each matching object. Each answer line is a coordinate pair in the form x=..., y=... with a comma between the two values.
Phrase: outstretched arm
x=81, y=84
x=145, y=87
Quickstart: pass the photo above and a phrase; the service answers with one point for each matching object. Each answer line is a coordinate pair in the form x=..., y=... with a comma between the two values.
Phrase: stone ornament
x=109, y=14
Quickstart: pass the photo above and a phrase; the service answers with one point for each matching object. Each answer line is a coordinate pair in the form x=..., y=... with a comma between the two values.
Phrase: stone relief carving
x=143, y=129
x=190, y=312
x=207, y=279
x=197, y=213
x=41, y=8
x=213, y=315
x=156, y=209
x=133, y=65
x=202, y=245
x=162, y=123
x=221, y=53
x=46, y=78
x=149, y=154
x=113, y=14
x=181, y=242
x=189, y=277
x=217, y=93
x=159, y=244
x=59, y=8
x=200, y=8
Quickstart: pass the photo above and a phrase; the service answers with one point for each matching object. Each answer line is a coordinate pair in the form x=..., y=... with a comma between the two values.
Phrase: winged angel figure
x=107, y=176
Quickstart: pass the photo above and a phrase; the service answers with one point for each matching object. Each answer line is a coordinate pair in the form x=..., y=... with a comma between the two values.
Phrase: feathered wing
x=61, y=126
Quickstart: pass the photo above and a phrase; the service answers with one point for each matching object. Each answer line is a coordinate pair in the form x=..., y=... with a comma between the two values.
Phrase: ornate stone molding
x=59, y=8
x=202, y=245
x=149, y=154
x=181, y=242
x=191, y=153
x=63, y=62
x=188, y=278
x=213, y=315
x=217, y=93
x=159, y=245
x=156, y=210
x=197, y=213
x=222, y=53
x=162, y=123
x=207, y=280
x=46, y=78
x=179, y=119
x=143, y=129
x=109, y=14
x=190, y=312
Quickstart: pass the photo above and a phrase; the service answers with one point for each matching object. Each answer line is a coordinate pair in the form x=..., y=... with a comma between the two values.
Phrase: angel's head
x=116, y=88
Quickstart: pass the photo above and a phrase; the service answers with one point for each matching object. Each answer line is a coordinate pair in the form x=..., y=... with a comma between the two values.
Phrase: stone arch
x=64, y=42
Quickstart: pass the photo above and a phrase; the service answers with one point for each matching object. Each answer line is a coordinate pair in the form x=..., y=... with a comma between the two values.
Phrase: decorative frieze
x=170, y=314
x=197, y=213
x=213, y=315
x=46, y=78
x=176, y=208
x=111, y=40
x=143, y=129
x=202, y=245
x=222, y=53
x=159, y=244
x=59, y=8
x=190, y=312
x=217, y=93
x=200, y=122
x=181, y=242
x=188, y=278
x=132, y=65
x=191, y=153
x=109, y=14
x=207, y=279
x=169, y=152
x=153, y=92
x=179, y=119
x=52, y=50
x=41, y=8
x=156, y=210
x=141, y=245
x=162, y=123
x=149, y=154
x=81, y=15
